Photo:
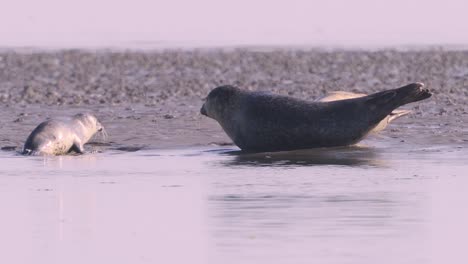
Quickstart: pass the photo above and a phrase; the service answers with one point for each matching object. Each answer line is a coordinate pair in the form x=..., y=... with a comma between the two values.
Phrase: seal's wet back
x=258, y=121
x=56, y=137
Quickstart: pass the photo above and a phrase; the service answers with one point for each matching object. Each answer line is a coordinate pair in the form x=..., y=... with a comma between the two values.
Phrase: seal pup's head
x=219, y=101
x=88, y=125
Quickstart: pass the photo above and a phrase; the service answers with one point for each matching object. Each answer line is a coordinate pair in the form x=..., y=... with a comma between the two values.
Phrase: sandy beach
x=152, y=99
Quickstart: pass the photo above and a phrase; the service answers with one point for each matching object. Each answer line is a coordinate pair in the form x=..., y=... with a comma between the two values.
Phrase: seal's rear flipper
x=412, y=93
x=397, y=97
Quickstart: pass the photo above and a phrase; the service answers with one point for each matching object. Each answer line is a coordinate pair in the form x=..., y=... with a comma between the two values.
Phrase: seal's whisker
x=104, y=134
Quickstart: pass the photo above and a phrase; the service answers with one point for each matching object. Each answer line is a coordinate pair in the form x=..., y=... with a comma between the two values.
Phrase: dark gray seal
x=259, y=121
x=57, y=137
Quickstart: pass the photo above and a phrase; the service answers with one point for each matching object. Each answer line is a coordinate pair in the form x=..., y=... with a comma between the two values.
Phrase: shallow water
x=372, y=203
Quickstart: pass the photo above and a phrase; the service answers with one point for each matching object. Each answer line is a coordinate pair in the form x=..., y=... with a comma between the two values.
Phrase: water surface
x=364, y=204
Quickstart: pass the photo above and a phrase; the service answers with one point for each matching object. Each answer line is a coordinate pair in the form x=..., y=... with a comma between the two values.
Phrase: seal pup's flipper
x=77, y=147
x=27, y=152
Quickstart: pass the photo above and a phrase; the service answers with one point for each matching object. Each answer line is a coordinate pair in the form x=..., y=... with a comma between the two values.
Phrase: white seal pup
x=258, y=121
x=56, y=137
x=342, y=95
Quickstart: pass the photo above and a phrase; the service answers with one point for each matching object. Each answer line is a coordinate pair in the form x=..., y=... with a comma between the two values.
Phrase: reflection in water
x=317, y=214
x=102, y=146
x=372, y=213
x=348, y=156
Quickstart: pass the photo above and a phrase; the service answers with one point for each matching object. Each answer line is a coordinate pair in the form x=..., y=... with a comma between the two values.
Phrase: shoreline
x=155, y=47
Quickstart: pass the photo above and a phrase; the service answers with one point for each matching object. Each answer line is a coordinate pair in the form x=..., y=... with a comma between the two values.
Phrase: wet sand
x=168, y=186
x=152, y=99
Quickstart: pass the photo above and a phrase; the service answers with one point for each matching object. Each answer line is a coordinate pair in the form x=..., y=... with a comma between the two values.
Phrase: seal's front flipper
x=77, y=147
x=27, y=151
x=397, y=114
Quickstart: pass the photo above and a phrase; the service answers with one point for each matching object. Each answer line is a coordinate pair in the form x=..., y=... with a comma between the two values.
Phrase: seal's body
x=55, y=137
x=258, y=121
x=341, y=95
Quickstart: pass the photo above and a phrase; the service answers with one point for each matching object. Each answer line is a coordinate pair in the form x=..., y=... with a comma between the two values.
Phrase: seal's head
x=90, y=121
x=89, y=124
x=219, y=101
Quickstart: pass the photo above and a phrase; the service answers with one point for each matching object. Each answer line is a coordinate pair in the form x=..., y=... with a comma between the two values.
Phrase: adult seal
x=342, y=95
x=57, y=137
x=259, y=121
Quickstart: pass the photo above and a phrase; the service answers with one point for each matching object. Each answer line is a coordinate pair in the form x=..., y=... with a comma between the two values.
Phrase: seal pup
x=56, y=137
x=342, y=95
x=259, y=121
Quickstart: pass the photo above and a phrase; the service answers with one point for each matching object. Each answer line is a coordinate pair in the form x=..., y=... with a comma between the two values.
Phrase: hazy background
x=148, y=23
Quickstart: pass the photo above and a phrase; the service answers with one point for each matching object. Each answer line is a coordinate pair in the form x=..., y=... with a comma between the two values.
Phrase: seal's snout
x=203, y=110
x=99, y=126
